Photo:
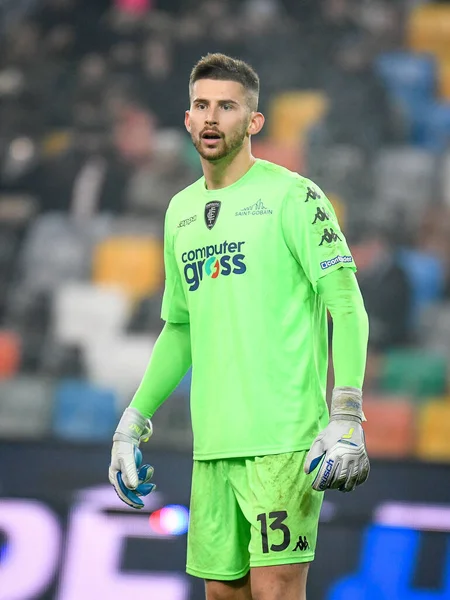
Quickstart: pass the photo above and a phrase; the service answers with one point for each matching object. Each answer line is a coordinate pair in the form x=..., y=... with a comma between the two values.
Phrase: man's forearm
x=169, y=362
x=341, y=294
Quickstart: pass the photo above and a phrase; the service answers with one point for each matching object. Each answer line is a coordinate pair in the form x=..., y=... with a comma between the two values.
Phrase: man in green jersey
x=254, y=256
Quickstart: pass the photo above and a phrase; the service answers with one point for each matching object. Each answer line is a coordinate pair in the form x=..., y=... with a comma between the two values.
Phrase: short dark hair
x=225, y=68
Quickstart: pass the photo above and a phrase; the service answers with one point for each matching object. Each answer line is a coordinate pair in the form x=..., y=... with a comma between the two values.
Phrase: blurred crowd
x=92, y=101
x=100, y=88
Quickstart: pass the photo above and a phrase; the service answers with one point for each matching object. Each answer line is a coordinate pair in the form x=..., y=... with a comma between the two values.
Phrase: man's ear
x=256, y=123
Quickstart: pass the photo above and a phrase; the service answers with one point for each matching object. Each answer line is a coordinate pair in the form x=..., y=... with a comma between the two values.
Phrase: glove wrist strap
x=346, y=403
x=133, y=427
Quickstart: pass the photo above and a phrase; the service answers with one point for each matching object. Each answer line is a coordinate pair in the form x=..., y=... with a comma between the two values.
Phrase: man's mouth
x=211, y=135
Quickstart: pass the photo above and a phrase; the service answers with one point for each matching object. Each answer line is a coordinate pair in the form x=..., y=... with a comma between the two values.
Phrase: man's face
x=219, y=118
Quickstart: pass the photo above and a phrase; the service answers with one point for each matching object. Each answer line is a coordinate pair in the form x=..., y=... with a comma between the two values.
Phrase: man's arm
x=313, y=235
x=341, y=295
x=341, y=444
x=169, y=362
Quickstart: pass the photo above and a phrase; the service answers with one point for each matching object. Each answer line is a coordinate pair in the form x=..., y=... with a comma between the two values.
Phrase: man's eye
x=201, y=106
x=226, y=106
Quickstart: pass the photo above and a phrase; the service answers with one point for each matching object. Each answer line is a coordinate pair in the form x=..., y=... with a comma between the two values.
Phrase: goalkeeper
x=254, y=257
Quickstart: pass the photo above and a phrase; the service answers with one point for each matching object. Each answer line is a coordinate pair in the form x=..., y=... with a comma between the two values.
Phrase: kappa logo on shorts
x=302, y=544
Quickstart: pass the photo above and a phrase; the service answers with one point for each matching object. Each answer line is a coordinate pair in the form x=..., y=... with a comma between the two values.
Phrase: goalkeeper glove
x=129, y=477
x=339, y=450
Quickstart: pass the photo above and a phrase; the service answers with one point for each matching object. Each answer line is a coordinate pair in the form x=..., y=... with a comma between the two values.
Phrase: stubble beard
x=226, y=147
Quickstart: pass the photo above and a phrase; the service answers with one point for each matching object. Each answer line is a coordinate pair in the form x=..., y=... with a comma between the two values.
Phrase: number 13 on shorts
x=279, y=517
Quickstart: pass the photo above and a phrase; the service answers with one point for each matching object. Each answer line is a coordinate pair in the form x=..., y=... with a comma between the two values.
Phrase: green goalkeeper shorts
x=251, y=512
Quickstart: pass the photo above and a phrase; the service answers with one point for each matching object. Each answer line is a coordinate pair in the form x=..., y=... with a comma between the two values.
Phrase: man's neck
x=227, y=171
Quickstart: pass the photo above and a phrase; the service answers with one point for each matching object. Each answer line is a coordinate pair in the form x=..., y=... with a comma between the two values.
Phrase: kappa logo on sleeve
x=312, y=194
x=329, y=236
x=334, y=261
x=321, y=215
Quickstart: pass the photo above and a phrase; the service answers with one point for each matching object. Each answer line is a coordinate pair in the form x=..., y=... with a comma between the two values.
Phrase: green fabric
x=169, y=362
x=341, y=295
x=248, y=287
x=226, y=537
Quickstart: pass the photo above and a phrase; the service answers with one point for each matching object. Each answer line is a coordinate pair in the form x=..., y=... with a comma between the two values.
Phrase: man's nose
x=211, y=118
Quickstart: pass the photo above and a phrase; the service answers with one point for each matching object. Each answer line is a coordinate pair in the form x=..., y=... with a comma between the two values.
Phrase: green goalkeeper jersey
x=242, y=265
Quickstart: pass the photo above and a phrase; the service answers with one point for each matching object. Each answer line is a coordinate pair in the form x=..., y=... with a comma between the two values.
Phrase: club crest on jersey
x=212, y=210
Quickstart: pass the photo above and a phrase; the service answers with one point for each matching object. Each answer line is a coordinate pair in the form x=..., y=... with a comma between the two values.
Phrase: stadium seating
x=339, y=169
x=55, y=250
x=444, y=80
x=184, y=386
x=339, y=208
x=10, y=353
x=55, y=143
x=436, y=127
x=127, y=226
x=60, y=360
x=80, y=300
x=133, y=264
x=291, y=114
x=408, y=77
x=9, y=250
x=411, y=81
x=426, y=275
x=444, y=179
x=404, y=176
x=414, y=372
x=172, y=423
x=283, y=154
x=119, y=363
x=25, y=407
x=434, y=328
x=146, y=315
x=29, y=315
x=433, y=438
x=83, y=312
x=390, y=426
x=428, y=29
x=83, y=412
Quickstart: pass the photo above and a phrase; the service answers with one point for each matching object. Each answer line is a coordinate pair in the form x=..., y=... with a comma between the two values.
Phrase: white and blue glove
x=340, y=450
x=129, y=477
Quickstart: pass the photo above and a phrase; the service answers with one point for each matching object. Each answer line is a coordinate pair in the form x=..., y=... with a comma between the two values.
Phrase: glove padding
x=129, y=477
x=341, y=453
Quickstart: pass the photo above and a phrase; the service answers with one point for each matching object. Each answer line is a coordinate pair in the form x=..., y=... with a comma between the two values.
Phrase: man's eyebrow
x=229, y=102
x=221, y=102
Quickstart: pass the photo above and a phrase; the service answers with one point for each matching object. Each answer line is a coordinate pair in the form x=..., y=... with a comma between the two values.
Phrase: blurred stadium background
x=92, y=147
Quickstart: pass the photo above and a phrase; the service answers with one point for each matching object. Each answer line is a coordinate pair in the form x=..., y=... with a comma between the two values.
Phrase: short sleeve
x=312, y=231
x=174, y=306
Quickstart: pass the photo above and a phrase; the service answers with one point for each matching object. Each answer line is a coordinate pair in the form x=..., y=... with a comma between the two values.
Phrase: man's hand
x=130, y=478
x=340, y=448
